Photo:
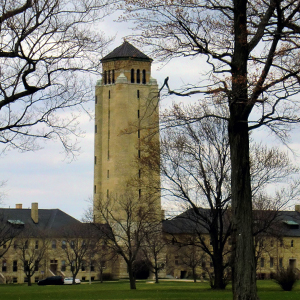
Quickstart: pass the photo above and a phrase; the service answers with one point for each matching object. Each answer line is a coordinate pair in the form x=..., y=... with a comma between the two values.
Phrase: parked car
x=69, y=280
x=52, y=280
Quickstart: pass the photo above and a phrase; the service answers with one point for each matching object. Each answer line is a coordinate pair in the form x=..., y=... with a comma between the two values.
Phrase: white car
x=69, y=280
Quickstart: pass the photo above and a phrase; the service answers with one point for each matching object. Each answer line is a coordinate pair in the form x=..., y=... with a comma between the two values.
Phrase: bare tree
x=78, y=242
x=31, y=249
x=154, y=249
x=250, y=52
x=196, y=169
x=46, y=47
x=127, y=226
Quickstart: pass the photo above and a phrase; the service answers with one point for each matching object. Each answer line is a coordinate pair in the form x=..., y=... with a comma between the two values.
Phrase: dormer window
x=291, y=224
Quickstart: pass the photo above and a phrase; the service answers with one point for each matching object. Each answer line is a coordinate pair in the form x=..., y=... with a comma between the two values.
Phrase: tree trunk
x=131, y=277
x=29, y=280
x=194, y=274
x=156, y=275
x=101, y=275
x=219, y=282
x=244, y=273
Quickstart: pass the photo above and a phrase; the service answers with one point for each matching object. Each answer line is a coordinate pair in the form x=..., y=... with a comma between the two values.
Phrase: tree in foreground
x=47, y=50
x=127, y=227
x=251, y=60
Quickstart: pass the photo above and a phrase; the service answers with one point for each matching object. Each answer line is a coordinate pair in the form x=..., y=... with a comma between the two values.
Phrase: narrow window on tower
x=107, y=154
x=108, y=134
x=95, y=160
x=139, y=153
x=105, y=77
x=138, y=94
x=140, y=193
x=113, y=76
x=140, y=173
x=138, y=113
x=109, y=77
x=107, y=193
x=109, y=94
x=144, y=77
x=96, y=100
x=95, y=189
x=95, y=128
x=107, y=173
x=138, y=76
x=132, y=76
x=138, y=133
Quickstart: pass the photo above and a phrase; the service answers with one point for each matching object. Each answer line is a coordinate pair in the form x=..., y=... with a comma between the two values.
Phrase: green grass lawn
x=267, y=290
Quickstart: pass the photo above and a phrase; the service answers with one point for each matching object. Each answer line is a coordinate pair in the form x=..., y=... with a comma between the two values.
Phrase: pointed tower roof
x=125, y=51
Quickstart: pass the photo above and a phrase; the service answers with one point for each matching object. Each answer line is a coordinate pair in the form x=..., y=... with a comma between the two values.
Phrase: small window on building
x=92, y=278
x=292, y=243
x=83, y=266
x=63, y=244
x=271, y=262
x=95, y=128
x=138, y=94
x=107, y=173
x=15, y=266
x=63, y=265
x=83, y=278
x=138, y=76
x=36, y=265
x=92, y=266
x=139, y=135
x=95, y=160
x=262, y=262
x=109, y=94
x=109, y=77
x=132, y=76
x=96, y=99
x=53, y=244
x=140, y=193
x=105, y=77
x=36, y=245
x=113, y=76
x=95, y=189
x=107, y=193
x=26, y=266
x=138, y=113
x=139, y=153
x=25, y=279
x=4, y=266
x=280, y=262
x=144, y=77
x=15, y=280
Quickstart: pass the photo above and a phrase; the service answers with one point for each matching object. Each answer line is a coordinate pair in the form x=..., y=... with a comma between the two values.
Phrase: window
x=292, y=243
x=262, y=262
x=53, y=244
x=271, y=262
x=92, y=266
x=63, y=265
x=138, y=76
x=138, y=94
x=96, y=99
x=36, y=265
x=26, y=266
x=113, y=76
x=176, y=260
x=105, y=77
x=72, y=244
x=95, y=189
x=140, y=193
x=138, y=113
x=144, y=77
x=15, y=279
x=26, y=245
x=107, y=193
x=83, y=265
x=132, y=76
x=109, y=77
x=280, y=262
x=139, y=134
x=63, y=244
x=4, y=266
x=15, y=266
x=83, y=278
x=95, y=128
x=109, y=94
x=107, y=173
x=95, y=160
x=36, y=245
x=139, y=153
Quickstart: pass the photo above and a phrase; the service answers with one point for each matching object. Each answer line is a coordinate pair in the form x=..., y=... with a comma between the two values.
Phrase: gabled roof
x=126, y=51
x=51, y=221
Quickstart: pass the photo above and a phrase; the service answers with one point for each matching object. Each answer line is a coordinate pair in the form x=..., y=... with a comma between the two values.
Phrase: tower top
x=126, y=51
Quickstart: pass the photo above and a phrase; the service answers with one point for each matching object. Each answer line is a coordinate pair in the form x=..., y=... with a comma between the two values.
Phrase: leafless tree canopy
x=43, y=46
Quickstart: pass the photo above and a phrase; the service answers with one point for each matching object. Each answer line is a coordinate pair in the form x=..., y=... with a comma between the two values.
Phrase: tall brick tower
x=126, y=114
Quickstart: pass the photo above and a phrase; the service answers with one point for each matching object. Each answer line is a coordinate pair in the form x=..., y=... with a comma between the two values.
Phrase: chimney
x=297, y=208
x=19, y=206
x=35, y=212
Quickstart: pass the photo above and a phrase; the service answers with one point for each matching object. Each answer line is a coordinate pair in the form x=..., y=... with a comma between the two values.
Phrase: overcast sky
x=44, y=177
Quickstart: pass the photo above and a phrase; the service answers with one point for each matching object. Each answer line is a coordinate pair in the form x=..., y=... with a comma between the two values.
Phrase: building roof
x=52, y=221
x=283, y=223
x=126, y=51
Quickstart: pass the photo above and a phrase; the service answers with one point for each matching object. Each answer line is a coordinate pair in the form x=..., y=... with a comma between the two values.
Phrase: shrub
x=286, y=278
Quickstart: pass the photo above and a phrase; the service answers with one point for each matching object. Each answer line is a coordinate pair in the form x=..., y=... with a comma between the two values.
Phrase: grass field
x=267, y=290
